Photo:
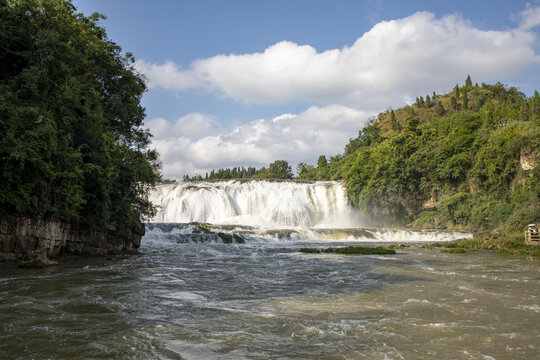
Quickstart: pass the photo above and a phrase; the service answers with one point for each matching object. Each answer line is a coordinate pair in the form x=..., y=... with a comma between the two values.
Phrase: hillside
x=467, y=159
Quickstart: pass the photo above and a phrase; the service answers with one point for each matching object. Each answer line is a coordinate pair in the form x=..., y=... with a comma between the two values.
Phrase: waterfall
x=261, y=204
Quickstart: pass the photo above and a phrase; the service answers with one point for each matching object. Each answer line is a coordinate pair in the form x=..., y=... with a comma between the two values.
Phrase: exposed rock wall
x=24, y=238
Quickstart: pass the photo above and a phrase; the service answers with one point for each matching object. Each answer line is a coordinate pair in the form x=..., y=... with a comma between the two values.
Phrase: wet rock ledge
x=27, y=239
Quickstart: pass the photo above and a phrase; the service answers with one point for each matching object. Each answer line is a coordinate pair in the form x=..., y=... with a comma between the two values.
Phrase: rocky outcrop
x=26, y=239
x=528, y=160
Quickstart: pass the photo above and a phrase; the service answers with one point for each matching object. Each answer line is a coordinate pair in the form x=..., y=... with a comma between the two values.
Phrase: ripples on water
x=266, y=300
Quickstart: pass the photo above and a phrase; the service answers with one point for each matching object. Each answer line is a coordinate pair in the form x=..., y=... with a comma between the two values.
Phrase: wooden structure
x=531, y=235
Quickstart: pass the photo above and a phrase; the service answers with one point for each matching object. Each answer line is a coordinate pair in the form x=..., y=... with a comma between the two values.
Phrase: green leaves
x=71, y=144
x=468, y=162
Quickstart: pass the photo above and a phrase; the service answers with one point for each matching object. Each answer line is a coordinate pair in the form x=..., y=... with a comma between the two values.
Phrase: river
x=191, y=296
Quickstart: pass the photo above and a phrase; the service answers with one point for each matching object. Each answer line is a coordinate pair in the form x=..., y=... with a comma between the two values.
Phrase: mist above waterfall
x=261, y=204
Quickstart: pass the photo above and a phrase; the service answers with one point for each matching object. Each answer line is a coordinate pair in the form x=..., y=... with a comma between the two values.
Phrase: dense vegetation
x=279, y=169
x=467, y=159
x=72, y=146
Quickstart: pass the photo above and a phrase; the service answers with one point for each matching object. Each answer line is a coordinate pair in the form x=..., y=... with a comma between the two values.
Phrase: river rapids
x=190, y=294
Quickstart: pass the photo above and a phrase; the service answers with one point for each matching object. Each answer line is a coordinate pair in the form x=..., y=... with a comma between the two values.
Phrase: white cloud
x=530, y=18
x=168, y=76
x=394, y=61
x=295, y=138
x=193, y=125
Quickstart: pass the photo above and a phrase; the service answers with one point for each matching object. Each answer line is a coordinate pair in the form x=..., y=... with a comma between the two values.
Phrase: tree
x=428, y=101
x=321, y=162
x=468, y=81
x=465, y=99
x=453, y=101
x=456, y=91
x=72, y=143
x=304, y=170
x=395, y=123
x=439, y=108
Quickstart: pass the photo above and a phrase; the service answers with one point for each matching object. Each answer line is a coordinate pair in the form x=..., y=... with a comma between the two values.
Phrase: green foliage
x=512, y=243
x=225, y=174
x=456, y=91
x=454, y=251
x=322, y=162
x=465, y=99
x=351, y=250
x=468, y=81
x=453, y=101
x=395, y=124
x=466, y=158
x=72, y=146
x=279, y=169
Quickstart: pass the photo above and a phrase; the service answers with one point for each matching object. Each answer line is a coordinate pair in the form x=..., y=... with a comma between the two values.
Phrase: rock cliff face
x=23, y=238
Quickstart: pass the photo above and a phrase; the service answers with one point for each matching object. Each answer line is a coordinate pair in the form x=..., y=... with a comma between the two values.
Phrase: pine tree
x=468, y=81
x=428, y=101
x=456, y=91
x=465, y=99
x=395, y=123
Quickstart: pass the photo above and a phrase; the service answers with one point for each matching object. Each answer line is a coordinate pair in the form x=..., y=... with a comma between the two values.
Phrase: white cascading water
x=261, y=204
x=281, y=210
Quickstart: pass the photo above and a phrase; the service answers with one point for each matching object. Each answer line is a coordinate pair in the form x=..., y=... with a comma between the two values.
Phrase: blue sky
x=248, y=82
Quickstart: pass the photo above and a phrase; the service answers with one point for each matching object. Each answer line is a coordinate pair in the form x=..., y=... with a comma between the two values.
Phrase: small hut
x=531, y=235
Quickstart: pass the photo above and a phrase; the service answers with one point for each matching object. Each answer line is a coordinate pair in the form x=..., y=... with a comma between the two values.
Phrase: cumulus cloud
x=395, y=61
x=294, y=137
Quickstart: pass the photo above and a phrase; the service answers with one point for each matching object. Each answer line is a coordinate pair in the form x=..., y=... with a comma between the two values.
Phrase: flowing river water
x=189, y=295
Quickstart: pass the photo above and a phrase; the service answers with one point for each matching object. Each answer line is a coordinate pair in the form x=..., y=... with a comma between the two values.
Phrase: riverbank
x=511, y=243
x=32, y=241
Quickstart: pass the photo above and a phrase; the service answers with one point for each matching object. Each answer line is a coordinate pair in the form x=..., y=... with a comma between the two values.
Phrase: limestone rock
x=34, y=240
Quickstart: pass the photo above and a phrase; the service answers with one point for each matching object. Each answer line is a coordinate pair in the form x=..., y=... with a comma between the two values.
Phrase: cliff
x=25, y=239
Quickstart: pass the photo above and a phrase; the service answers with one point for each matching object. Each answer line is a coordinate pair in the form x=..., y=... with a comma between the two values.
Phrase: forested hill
x=466, y=159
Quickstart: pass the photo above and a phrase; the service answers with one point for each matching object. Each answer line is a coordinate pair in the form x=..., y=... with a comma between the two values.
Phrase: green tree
x=321, y=162
x=280, y=169
x=304, y=171
x=72, y=144
x=468, y=81
x=453, y=101
x=395, y=123
x=465, y=99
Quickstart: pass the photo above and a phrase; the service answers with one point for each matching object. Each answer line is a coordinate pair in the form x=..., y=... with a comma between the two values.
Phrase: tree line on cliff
x=466, y=159
x=279, y=169
x=72, y=143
